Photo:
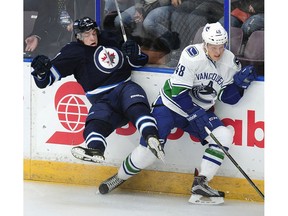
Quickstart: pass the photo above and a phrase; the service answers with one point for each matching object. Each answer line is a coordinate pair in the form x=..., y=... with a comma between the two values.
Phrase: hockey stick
x=234, y=162
x=121, y=21
x=110, y=62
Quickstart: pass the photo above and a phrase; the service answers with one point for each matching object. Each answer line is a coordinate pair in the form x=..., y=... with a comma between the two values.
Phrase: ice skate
x=156, y=148
x=110, y=184
x=87, y=154
x=203, y=194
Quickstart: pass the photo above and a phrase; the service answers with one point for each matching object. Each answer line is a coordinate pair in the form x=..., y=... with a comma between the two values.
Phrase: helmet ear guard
x=214, y=33
x=84, y=24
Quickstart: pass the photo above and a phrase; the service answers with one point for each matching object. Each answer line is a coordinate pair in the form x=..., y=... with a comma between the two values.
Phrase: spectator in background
x=149, y=21
x=123, y=5
x=52, y=29
x=110, y=12
x=53, y=26
x=135, y=15
x=157, y=26
x=188, y=17
x=247, y=15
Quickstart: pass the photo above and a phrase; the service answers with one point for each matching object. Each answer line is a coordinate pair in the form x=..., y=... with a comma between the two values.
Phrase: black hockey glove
x=41, y=65
x=131, y=49
x=244, y=77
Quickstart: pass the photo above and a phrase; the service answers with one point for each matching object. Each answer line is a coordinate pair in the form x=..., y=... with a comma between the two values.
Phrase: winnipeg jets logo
x=205, y=94
x=108, y=59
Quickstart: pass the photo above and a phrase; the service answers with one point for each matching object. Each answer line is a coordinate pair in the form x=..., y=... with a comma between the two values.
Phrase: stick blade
x=202, y=200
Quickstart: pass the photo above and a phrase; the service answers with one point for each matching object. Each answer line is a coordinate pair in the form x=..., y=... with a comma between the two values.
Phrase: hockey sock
x=95, y=133
x=213, y=156
x=211, y=161
x=139, y=159
x=139, y=115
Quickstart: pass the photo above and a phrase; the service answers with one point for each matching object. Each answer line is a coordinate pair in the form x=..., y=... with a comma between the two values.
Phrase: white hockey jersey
x=204, y=77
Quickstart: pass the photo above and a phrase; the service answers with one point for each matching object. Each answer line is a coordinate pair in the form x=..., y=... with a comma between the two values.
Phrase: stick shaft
x=234, y=162
x=121, y=21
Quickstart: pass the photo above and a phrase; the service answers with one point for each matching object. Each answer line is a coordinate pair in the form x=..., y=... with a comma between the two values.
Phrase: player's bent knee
x=224, y=135
x=142, y=157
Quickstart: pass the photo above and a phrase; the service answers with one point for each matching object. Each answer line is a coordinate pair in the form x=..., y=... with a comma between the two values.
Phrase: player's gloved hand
x=200, y=118
x=41, y=65
x=244, y=77
x=131, y=49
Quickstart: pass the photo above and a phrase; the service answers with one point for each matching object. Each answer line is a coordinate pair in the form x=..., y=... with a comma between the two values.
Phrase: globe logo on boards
x=72, y=113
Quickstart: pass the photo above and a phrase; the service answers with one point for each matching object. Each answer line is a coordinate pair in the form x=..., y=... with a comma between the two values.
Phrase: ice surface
x=51, y=199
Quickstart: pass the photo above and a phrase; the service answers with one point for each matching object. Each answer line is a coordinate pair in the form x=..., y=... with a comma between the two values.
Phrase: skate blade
x=202, y=200
x=80, y=154
x=161, y=156
x=154, y=144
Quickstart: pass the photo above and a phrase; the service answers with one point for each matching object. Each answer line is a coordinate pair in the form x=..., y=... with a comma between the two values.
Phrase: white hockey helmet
x=214, y=33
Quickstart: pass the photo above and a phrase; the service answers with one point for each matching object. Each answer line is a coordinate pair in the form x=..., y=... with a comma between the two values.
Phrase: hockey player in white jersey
x=206, y=72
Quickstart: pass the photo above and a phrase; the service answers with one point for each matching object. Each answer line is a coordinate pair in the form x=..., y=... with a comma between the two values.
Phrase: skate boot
x=203, y=194
x=156, y=148
x=110, y=184
x=87, y=154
